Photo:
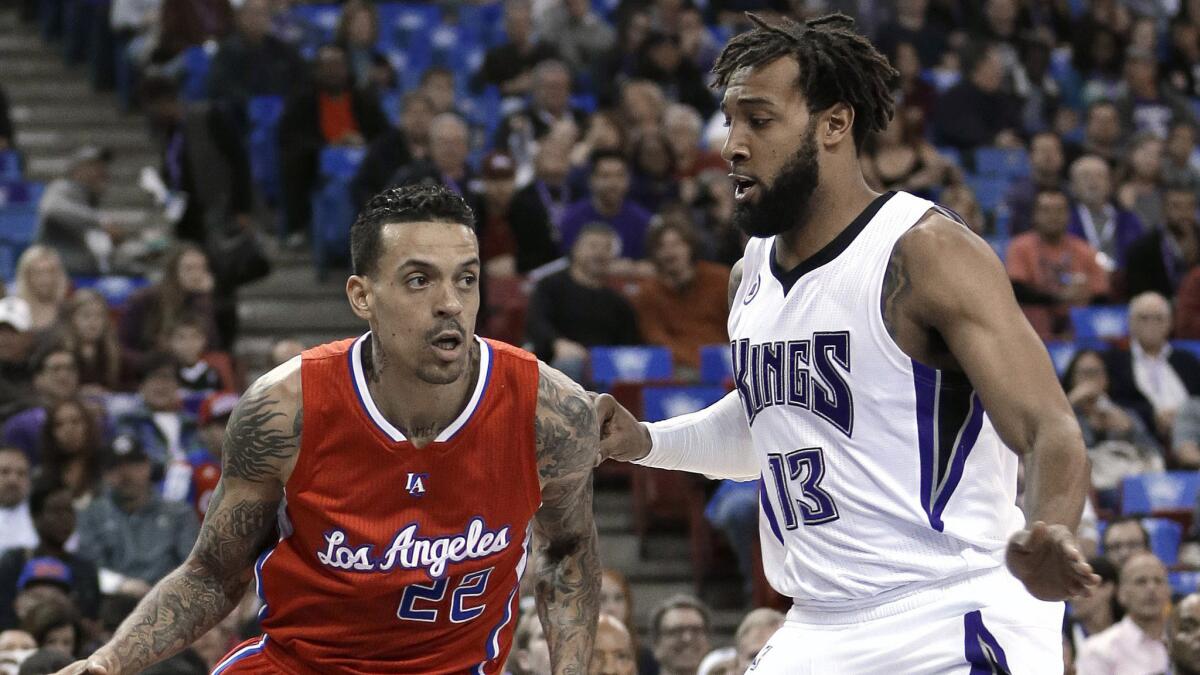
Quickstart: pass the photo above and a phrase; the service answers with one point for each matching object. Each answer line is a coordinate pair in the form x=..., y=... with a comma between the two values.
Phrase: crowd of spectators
x=587, y=140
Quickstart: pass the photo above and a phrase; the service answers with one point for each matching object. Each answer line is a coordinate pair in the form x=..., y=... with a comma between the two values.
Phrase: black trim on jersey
x=832, y=250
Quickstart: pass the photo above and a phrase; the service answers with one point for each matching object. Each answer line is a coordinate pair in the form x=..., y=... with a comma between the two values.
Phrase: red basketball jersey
x=395, y=559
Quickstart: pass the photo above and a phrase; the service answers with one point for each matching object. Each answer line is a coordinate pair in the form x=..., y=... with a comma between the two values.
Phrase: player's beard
x=784, y=204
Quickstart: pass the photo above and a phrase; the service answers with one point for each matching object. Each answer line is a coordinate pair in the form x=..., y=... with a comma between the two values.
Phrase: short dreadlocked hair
x=837, y=65
x=405, y=204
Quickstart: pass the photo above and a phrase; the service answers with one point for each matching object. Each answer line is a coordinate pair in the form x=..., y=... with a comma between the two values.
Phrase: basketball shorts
x=987, y=623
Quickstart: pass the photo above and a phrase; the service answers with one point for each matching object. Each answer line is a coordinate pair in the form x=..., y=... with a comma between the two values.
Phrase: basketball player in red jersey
x=381, y=491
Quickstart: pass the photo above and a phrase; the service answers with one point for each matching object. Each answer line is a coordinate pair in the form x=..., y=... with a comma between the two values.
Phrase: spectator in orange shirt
x=1053, y=270
x=683, y=306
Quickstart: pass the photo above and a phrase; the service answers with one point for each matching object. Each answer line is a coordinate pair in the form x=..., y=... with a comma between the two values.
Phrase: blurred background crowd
x=178, y=177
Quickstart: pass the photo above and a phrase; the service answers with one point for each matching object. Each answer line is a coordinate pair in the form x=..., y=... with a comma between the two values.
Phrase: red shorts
x=247, y=659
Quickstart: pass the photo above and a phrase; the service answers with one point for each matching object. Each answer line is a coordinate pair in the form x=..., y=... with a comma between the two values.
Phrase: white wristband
x=715, y=442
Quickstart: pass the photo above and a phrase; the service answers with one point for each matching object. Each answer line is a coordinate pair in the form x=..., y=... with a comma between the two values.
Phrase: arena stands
x=153, y=156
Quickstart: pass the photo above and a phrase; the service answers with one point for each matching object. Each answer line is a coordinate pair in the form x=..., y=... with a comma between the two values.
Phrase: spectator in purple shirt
x=609, y=203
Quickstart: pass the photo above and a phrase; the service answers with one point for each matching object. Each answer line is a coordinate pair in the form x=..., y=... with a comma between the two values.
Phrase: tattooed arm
x=566, y=561
x=261, y=444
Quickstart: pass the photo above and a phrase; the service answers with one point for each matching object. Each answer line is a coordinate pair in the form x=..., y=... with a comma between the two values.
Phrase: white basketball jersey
x=880, y=475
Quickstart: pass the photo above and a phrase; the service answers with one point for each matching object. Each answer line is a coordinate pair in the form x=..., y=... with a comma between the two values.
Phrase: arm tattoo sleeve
x=240, y=523
x=567, y=563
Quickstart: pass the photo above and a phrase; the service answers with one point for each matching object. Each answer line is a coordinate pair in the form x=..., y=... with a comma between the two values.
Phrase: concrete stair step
x=66, y=140
x=33, y=66
x=294, y=277
x=299, y=314
x=64, y=90
x=124, y=169
x=65, y=115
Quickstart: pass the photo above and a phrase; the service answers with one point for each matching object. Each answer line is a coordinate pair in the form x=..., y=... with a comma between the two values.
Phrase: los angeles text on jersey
x=805, y=374
x=410, y=551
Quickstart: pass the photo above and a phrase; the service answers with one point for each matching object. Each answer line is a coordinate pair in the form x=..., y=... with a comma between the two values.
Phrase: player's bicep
x=964, y=293
x=568, y=438
x=262, y=440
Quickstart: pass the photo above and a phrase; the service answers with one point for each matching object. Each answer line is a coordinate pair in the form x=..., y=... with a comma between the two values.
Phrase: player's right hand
x=621, y=436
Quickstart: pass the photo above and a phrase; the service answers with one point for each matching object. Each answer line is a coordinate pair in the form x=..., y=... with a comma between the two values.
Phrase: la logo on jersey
x=416, y=484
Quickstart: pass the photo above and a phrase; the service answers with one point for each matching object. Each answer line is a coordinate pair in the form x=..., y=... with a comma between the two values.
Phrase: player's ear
x=360, y=295
x=837, y=126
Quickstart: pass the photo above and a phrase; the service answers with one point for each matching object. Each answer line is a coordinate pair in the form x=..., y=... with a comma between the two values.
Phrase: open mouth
x=743, y=186
x=448, y=343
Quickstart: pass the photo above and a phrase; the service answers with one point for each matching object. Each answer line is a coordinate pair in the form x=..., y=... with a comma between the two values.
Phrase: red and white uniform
x=397, y=559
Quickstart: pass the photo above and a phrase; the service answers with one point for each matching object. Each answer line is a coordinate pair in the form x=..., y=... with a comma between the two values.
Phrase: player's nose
x=735, y=149
x=448, y=303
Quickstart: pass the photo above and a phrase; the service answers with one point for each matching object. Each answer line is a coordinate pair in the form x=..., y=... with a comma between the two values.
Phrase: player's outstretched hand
x=621, y=437
x=1045, y=559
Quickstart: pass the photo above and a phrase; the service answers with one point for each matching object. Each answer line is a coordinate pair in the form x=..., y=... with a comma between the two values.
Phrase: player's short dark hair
x=404, y=204
x=680, y=601
x=837, y=65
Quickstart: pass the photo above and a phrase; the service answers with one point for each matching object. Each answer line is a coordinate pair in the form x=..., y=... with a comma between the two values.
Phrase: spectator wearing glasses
x=682, y=635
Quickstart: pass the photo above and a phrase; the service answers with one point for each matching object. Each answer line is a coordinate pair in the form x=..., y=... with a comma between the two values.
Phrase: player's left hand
x=1045, y=559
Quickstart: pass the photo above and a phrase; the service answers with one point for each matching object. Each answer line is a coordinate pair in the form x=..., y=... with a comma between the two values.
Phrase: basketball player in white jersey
x=870, y=333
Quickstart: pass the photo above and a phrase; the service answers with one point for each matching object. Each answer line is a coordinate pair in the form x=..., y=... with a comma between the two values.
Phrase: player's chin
x=439, y=371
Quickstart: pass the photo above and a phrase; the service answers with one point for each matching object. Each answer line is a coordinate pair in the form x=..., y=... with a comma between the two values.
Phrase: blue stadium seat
x=1107, y=322
x=263, y=113
x=407, y=26
x=321, y=19
x=116, y=289
x=18, y=215
x=716, y=364
x=952, y=154
x=9, y=253
x=332, y=210
x=1165, y=536
x=482, y=23
x=1061, y=354
x=999, y=244
x=1184, y=583
x=584, y=102
x=631, y=364
x=10, y=165
x=1002, y=162
x=1158, y=492
x=660, y=403
x=1192, y=346
x=989, y=190
x=196, y=63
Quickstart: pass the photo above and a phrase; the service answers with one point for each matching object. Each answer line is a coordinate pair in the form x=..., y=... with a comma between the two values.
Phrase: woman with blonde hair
x=89, y=331
x=42, y=282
